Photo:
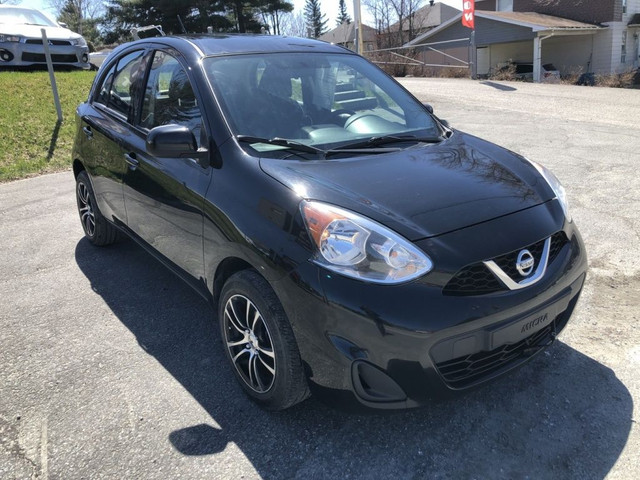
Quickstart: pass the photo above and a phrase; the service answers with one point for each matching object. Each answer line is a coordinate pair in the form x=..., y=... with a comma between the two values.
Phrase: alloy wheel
x=249, y=342
x=87, y=216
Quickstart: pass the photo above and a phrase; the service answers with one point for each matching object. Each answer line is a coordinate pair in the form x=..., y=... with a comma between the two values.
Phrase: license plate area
x=527, y=326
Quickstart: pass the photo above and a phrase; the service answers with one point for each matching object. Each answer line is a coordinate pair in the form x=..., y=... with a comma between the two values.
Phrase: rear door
x=107, y=130
x=164, y=196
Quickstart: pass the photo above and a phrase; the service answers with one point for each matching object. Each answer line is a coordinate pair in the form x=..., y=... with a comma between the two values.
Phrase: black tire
x=254, y=328
x=97, y=229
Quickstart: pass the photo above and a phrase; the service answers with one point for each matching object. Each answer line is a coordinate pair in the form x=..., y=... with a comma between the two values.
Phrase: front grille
x=38, y=41
x=39, y=57
x=463, y=372
x=508, y=262
x=476, y=279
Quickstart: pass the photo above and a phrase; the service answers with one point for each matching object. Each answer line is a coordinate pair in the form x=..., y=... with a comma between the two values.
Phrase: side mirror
x=173, y=141
x=63, y=25
x=444, y=122
x=428, y=107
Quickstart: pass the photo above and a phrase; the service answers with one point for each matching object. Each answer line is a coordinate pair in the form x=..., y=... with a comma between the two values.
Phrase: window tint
x=169, y=97
x=122, y=83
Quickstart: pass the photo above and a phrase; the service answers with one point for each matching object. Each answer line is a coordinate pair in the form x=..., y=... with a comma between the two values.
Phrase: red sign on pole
x=468, y=13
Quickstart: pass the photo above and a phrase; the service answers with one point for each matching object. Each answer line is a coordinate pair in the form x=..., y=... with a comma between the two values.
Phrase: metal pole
x=473, y=56
x=358, y=24
x=52, y=78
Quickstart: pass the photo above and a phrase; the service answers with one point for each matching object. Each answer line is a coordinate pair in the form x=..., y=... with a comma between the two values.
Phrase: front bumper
x=22, y=54
x=404, y=346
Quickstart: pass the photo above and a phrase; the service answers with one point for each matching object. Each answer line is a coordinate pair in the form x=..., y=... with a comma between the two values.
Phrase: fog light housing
x=85, y=58
x=373, y=385
x=6, y=55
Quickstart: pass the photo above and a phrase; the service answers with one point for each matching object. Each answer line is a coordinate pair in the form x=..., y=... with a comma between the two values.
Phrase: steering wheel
x=343, y=114
x=354, y=118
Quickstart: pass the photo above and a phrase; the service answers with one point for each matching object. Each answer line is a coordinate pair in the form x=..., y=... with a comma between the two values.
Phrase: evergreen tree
x=343, y=16
x=316, y=20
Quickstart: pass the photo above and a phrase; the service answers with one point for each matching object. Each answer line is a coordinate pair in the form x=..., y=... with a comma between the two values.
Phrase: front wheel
x=259, y=342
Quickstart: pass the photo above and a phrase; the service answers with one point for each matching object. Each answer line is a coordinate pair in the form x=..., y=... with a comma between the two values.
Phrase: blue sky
x=329, y=7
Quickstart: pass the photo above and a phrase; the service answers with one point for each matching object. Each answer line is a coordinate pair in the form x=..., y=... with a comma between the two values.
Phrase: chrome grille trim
x=536, y=277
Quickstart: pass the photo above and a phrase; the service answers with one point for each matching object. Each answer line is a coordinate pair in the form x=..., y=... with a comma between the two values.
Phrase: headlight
x=9, y=38
x=79, y=42
x=354, y=246
x=556, y=186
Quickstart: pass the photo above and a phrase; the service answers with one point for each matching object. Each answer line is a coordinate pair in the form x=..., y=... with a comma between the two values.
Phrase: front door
x=164, y=196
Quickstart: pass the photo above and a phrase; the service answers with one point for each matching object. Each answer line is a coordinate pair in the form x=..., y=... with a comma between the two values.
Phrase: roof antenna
x=184, y=30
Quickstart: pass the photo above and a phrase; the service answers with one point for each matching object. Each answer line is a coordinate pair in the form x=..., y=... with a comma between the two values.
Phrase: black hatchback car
x=352, y=243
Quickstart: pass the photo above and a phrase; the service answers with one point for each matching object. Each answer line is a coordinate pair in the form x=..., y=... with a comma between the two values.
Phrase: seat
x=279, y=114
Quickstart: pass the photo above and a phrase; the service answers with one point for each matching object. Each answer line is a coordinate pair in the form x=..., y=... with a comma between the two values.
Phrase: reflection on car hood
x=422, y=191
x=33, y=31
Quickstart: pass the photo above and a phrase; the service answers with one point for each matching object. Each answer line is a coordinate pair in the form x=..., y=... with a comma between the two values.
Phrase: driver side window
x=169, y=97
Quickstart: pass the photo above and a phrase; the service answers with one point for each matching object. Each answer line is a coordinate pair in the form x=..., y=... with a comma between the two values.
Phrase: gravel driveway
x=110, y=367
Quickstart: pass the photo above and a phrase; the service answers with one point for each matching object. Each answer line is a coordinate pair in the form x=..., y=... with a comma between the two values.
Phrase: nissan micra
x=352, y=243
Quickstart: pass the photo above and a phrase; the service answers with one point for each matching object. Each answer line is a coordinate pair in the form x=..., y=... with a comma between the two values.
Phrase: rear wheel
x=96, y=228
x=259, y=342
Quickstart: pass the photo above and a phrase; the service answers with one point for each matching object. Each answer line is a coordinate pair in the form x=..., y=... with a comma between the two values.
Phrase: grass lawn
x=30, y=143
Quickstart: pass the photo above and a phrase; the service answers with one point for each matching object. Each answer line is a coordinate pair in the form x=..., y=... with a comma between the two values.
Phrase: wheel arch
x=225, y=269
x=77, y=168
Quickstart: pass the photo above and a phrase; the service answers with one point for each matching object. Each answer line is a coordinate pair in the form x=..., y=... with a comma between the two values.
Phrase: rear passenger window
x=121, y=84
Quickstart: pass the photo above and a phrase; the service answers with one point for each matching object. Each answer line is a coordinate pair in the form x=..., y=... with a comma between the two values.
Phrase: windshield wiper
x=386, y=140
x=282, y=142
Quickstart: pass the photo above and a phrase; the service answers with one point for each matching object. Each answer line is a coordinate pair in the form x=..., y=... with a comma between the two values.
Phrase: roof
x=537, y=22
x=345, y=33
x=220, y=44
x=428, y=16
x=635, y=20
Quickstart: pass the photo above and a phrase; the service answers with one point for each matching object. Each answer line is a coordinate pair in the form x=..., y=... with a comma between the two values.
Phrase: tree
x=405, y=11
x=196, y=15
x=394, y=20
x=343, y=16
x=273, y=12
x=294, y=24
x=382, y=16
x=316, y=20
x=81, y=16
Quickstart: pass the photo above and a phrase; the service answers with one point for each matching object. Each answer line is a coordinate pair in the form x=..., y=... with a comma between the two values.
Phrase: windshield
x=318, y=99
x=24, y=16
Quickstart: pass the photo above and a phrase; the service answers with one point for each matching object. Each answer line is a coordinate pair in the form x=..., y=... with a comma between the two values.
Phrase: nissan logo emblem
x=525, y=262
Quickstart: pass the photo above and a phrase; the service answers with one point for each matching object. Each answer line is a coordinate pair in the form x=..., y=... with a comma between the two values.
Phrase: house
x=422, y=20
x=345, y=35
x=599, y=36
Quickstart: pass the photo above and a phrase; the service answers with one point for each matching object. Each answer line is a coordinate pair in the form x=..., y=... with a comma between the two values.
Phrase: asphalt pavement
x=111, y=367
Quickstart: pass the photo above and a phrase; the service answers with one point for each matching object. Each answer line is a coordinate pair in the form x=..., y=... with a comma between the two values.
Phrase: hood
x=33, y=31
x=421, y=191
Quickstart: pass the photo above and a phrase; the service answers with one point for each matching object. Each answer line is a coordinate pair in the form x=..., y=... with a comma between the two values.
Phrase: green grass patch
x=30, y=142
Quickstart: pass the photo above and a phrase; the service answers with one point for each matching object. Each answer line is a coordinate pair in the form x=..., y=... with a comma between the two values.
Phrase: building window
x=505, y=5
x=624, y=6
x=623, y=47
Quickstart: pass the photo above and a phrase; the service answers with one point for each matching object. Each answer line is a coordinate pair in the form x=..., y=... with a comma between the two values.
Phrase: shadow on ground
x=499, y=86
x=563, y=415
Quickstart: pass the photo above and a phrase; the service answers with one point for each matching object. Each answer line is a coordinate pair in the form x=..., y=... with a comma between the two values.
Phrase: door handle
x=130, y=158
x=87, y=131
